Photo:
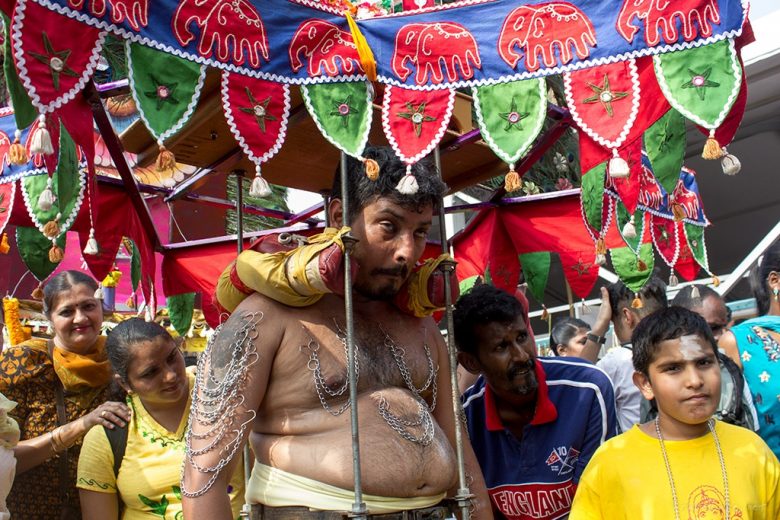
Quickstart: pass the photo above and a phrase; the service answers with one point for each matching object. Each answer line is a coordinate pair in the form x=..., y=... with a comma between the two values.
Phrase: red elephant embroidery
x=324, y=45
x=537, y=30
x=650, y=193
x=223, y=23
x=661, y=18
x=136, y=12
x=687, y=199
x=435, y=49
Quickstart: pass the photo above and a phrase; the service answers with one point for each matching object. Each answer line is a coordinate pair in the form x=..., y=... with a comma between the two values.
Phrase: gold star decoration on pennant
x=700, y=81
x=417, y=116
x=581, y=268
x=513, y=117
x=56, y=60
x=259, y=110
x=604, y=95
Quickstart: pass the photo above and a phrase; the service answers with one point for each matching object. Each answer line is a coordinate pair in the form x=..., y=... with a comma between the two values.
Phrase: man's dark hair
x=564, y=330
x=482, y=305
x=363, y=191
x=684, y=298
x=759, y=274
x=662, y=325
x=653, y=296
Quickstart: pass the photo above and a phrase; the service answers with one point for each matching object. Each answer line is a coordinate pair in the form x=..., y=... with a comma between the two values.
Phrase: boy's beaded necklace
x=711, y=427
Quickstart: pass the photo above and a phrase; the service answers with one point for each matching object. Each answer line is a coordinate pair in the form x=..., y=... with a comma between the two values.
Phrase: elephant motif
x=650, y=193
x=661, y=17
x=222, y=24
x=435, y=49
x=686, y=199
x=324, y=45
x=136, y=12
x=537, y=30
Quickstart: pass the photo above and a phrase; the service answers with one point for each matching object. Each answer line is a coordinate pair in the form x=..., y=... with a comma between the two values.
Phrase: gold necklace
x=711, y=427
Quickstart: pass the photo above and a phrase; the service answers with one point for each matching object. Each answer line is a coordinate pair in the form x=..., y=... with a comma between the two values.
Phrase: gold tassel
x=715, y=281
x=4, y=245
x=37, y=293
x=52, y=228
x=165, y=159
x=678, y=212
x=56, y=254
x=17, y=154
x=545, y=314
x=372, y=169
x=130, y=303
x=637, y=302
x=512, y=181
x=712, y=149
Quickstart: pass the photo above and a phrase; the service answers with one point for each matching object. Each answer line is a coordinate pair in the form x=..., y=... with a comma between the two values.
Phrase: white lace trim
x=443, y=125
x=237, y=134
x=24, y=76
x=369, y=119
x=539, y=123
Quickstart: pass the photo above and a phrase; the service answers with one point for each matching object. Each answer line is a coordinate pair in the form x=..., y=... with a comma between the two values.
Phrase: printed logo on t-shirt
x=534, y=501
x=710, y=502
x=562, y=460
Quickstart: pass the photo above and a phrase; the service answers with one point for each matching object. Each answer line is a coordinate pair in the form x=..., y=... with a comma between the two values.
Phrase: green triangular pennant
x=180, y=308
x=34, y=248
x=665, y=145
x=511, y=115
x=24, y=111
x=466, y=285
x=638, y=219
x=135, y=265
x=695, y=237
x=165, y=88
x=702, y=83
x=628, y=265
x=536, y=269
x=593, y=194
x=343, y=113
x=68, y=185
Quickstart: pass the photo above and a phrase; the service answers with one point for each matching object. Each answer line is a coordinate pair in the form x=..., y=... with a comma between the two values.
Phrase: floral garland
x=16, y=332
x=112, y=278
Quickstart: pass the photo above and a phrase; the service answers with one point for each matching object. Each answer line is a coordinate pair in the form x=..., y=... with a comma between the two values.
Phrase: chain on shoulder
x=217, y=399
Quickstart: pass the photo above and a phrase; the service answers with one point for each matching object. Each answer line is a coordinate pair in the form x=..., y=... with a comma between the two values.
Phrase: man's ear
x=470, y=362
x=630, y=318
x=642, y=382
x=335, y=213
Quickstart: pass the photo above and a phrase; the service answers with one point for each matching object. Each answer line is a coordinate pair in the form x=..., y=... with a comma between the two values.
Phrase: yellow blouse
x=148, y=480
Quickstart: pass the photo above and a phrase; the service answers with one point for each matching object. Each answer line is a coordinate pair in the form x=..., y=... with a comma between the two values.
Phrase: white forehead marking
x=690, y=347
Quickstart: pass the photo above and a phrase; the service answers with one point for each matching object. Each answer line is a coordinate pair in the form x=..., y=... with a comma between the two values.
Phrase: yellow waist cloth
x=278, y=488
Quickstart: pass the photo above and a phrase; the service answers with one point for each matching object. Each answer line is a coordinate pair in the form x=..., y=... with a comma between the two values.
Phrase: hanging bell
x=617, y=166
x=260, y=188
x=41, y=138
x=46, y=199
x=408, y=183
x=729, y=163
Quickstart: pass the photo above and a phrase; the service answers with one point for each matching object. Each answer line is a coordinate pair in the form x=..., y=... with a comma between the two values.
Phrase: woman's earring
x=776, y=292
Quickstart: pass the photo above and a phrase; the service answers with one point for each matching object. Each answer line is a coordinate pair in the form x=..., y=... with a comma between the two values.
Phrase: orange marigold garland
x=12, y=322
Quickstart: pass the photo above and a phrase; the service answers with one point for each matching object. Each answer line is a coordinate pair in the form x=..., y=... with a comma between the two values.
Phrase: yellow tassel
x=52, y=228
x=17, y=154
x=130, y=303
x=165, y=160
x=601, y=247
x=4, y=245
x=365, y=54
x=678, y=212
x=37, y=293
x=545, y=314
x=715, y=281
x=512, y=181
x=372, y=169
x=56, y=254
x=637, y=302
x=712, y=149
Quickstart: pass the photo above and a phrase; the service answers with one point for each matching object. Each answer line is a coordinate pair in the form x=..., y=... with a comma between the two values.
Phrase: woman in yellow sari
x=61, y=390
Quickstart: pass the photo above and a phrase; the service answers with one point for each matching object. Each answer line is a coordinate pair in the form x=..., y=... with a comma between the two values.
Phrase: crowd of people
x=676, y=421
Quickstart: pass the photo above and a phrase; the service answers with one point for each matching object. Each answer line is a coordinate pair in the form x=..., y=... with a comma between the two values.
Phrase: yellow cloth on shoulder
x=81, y=371
x=278, y=488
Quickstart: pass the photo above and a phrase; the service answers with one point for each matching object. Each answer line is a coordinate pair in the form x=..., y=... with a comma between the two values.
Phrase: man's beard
x=384, y=292
x=531, y=382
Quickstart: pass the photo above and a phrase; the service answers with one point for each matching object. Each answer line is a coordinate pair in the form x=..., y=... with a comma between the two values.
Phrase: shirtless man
x=277, y=375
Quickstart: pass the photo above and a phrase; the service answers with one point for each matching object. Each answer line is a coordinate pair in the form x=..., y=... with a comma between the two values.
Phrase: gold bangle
x=51, y=442
x=56, y=440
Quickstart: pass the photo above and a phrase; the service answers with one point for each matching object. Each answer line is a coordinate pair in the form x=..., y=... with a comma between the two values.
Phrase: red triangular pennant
x=666, y=238
x=580, y=270
x=628, y=187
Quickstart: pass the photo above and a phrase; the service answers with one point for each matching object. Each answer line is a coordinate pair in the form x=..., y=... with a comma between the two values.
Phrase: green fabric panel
x=180, y=309
x=34, y=248
x=66, y=184
x=135, y=266
x=467, y=284
x=512, y=115
x=665, y=146
x=622, y=219
x=593, y=194
x=626, y=265
x=695, y=237
x=24, y=111
x=346, y=129
x=536, y=269
x=712, y=66
x=151, y=69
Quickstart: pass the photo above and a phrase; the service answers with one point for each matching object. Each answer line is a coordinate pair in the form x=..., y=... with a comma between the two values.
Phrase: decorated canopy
x=633, y=71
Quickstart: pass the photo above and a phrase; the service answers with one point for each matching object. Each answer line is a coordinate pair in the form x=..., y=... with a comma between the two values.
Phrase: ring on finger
x=103, y=414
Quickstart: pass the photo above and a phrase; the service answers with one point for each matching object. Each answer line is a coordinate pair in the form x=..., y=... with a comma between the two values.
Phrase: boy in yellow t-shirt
x=683, y=465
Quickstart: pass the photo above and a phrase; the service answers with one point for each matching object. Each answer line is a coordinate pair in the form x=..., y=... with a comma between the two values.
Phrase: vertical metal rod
x=358, y=507
x=463, y=496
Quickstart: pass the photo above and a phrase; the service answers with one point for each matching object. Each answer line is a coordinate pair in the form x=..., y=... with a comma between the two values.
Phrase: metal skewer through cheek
x=358, y=507
x=463, y=496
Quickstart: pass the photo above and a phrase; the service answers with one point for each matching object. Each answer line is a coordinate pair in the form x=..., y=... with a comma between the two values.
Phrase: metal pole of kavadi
x=358, y=507
x=463, y=496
